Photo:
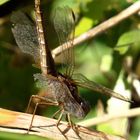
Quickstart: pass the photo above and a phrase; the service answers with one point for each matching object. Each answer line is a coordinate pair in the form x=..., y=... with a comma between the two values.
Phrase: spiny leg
x=53, y=116
x=72, y=125
x=30, y=126
x=68, y=119
x=60, y=117
x=31, y=99
x=36, y=105
x=41, y=99
x=29, y=103
x=58, y=122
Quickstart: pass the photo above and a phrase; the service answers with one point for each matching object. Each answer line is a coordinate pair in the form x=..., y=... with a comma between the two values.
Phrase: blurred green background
x=107, y=59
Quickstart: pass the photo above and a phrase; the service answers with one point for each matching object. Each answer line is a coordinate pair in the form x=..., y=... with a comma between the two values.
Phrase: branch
x=108, y=117
x=134, y=8
x=17, y=122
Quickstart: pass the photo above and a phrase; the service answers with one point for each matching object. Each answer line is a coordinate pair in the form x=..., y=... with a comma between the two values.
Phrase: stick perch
x=131, y=10
x=18, y=122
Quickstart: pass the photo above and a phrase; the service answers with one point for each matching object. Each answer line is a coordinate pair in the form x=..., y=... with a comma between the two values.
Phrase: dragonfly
x=61, y=89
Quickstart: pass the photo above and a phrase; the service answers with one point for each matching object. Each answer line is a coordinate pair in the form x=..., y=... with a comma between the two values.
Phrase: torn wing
x=82, y=81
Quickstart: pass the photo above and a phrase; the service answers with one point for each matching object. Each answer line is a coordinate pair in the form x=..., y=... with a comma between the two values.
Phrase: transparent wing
x=64, y=24
x=42, y=81
x=82, y=81
x=25, y=34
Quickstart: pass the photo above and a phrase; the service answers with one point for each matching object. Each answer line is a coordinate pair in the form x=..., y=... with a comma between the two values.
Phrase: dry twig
x=134, y=8
x=107, y=117
x=17, y=122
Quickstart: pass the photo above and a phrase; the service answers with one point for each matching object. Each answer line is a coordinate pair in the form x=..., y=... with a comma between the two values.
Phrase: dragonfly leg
x=43, y=102
x=68, y=119
x=72, y=125
x=30, y=126
x=58, y=122
x=60, y=117
x=54, y=115
x=31, y=100
x=29, y=103
x=41, y=98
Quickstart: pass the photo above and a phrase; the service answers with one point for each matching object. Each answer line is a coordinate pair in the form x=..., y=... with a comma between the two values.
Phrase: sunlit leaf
x=85, y=22
x=12, y=136
x=135, y=134
x=3, y=1
x=106, y=63
x=126, y=40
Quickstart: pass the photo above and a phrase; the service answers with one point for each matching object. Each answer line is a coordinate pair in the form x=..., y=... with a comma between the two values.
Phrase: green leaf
x=126, y=40
x=3, y=1
x=13, y=136
x=71, y=3
x=95, y=9
x=84, y=25
x=135, y=132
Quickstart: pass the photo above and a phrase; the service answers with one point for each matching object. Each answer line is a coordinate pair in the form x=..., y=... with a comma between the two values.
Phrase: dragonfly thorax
x=72, y=102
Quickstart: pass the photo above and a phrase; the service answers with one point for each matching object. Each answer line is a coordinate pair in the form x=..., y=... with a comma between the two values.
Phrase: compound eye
x=81, y=104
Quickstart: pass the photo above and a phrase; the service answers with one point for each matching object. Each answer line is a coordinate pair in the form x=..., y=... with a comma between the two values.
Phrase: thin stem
x=134, y=8
x=108, y=117
x=46, y=60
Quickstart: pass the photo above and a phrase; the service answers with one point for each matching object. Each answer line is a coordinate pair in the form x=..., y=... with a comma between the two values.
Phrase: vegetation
x=111, y=59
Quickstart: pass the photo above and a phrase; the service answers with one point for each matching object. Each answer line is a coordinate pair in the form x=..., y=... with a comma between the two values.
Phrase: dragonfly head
x=77, y=109
x=73, y=103
x=83, y=110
